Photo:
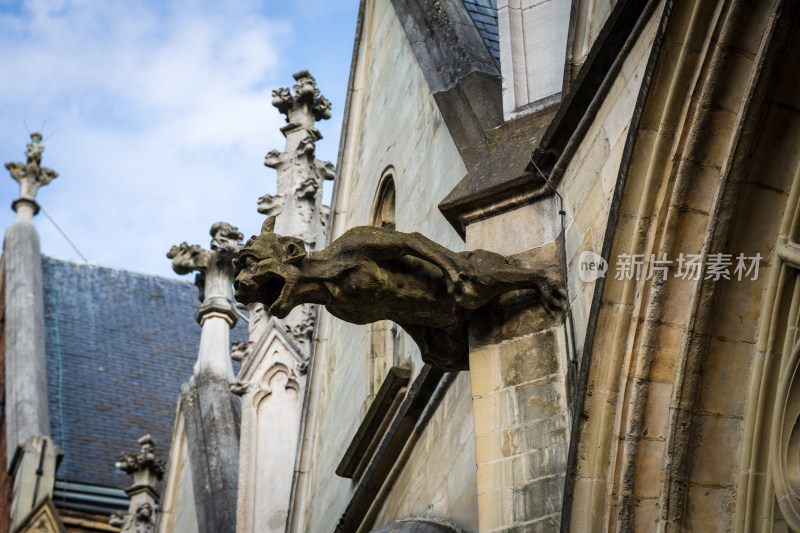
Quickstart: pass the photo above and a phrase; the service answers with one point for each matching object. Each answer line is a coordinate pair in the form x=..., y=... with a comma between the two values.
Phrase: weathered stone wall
x=177, y=513
x=6, y=480
x=520, y=380
x=438, y=480
x=393, y=121
x=533, y=42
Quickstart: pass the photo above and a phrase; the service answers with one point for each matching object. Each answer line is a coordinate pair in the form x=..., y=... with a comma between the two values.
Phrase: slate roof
x=121, y=343
x=484, y=14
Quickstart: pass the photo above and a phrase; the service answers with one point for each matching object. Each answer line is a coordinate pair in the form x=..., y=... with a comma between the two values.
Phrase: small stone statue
x=370, y=274
x=32, y=174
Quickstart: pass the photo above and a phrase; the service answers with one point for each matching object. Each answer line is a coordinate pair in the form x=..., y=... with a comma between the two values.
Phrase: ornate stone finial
x=306, y=97
x=298, y=202
x=147, y=469
x=32, y=174
x=216, y=262
x=145, y=459
x=216, y=314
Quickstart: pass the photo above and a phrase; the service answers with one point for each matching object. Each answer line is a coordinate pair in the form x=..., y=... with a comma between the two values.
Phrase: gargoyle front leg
x=453, y=267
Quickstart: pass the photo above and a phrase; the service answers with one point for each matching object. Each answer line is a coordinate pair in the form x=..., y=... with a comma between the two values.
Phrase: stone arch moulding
x=265, y=388
x=383, y=335
x=784, y=450
x=384, y=210
x=768, y=491
x=771, y=448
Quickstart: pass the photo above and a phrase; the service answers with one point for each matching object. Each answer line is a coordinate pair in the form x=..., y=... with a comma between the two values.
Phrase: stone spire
x=31, y=455
x=147, y=469
x=275, y=358
x=211, y=412
x=216, y=314
x=298, y=204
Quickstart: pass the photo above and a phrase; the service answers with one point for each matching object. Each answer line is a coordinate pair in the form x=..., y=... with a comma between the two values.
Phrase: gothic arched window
x=384, y=336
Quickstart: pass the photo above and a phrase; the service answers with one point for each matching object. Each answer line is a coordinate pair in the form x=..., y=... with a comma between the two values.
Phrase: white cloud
x=160, y=118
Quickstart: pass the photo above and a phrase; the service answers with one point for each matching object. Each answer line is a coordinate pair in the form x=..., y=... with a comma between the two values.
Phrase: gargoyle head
x=268, y=270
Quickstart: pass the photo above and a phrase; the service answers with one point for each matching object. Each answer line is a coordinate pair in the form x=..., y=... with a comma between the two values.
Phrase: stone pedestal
x=211, y=415
x=216, y=316
x=26, y=375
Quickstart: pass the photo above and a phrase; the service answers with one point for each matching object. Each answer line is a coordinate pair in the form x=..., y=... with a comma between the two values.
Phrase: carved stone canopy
x=370, y=274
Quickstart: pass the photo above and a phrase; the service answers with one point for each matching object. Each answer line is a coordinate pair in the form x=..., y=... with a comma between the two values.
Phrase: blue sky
x=157, y=115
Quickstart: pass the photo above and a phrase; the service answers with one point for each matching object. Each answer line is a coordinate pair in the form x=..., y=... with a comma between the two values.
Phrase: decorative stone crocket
x=370, y=274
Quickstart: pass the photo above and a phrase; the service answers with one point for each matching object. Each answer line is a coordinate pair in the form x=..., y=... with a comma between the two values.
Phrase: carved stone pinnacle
x=147, y=469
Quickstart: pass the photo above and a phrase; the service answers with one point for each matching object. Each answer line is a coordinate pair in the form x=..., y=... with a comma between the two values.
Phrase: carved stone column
x=274, y=360
x=147, y=469
x=211, y=413
x=31, y=455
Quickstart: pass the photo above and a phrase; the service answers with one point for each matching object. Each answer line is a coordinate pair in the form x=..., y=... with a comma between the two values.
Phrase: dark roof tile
x=484, y=15
x=119, y=344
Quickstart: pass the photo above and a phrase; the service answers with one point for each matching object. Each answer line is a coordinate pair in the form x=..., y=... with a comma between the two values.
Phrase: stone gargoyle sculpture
x=371, y=273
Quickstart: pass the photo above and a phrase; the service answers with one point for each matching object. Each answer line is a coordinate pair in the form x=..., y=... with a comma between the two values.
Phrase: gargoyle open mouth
x=266, y=292
x=270, y=290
